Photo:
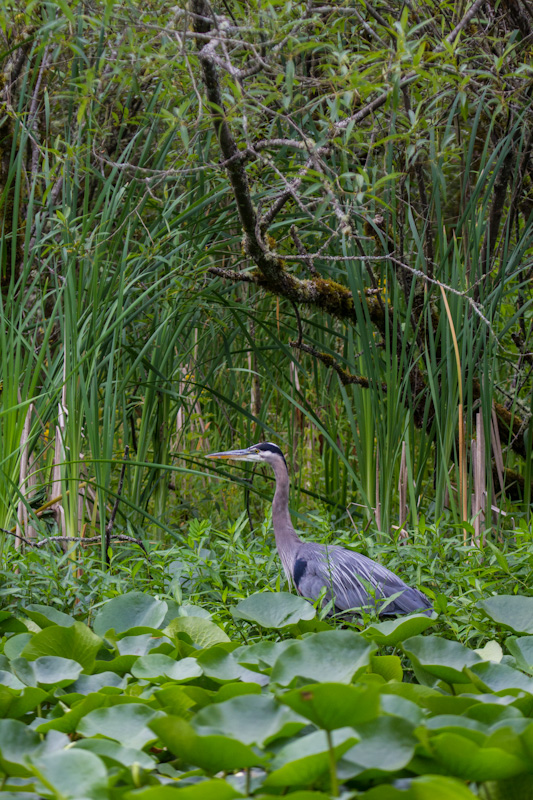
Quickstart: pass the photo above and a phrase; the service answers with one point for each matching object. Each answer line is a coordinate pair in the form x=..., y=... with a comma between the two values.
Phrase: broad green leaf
x=141, y=644
x=16, y=644
x=68, y=722
x=441, y=658
x=337, y=656
x=426, y=787
x=77, y=642
x=127, y=724
x=87, y=684
x=73, y=774
x=389, y=667
x=15, y=704
x=261, y=656
x=334, y=705
x=522, y=650
x=161, y=667
x=387, y=744
x=220, y=665
x=499, y=678
x=467, y=760
x=205, y=790
x=45, y=616
x=252, y=719
x=212, y=753
x=114, y=753
x=47, y=671
x=128, y=611
x=492, y=651
x=393, y=631
x=17, y=742
x=306, y=759
x=274, y=609
x=513, y=611
x=203, y=632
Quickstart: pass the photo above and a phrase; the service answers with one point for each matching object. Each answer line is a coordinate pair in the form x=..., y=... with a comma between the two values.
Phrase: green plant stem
x=332, y=766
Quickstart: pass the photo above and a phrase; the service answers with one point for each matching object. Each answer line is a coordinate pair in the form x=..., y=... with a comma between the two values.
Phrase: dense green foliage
x=155, y=694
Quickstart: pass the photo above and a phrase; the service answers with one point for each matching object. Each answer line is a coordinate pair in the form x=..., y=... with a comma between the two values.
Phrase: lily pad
x=131, y=610
x=512, y=611
x=441, y=658
x=205, y=790
x=73, y=774
x=337, y=656
x=157, y=666
x=213, y=753
x=397, y=630
x=77, y=640
x=334, y=705
x=127, y=724
x=203, y=632
x=274, y=609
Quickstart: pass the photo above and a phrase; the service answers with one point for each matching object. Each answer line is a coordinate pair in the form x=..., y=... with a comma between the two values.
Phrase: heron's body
x=352, y=580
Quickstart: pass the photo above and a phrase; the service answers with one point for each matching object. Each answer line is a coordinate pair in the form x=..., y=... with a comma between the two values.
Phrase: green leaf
x=334, y=705
x=441, y=658
x=427, y=787
x=17, y=742
x=512, y=611
x=252, y=719
x=73, y=774
x=522, y=650
x=338, y=656
x=161, y=667
x=389, y=667
x=130, y=610
x=274, y=610
x=467, y=760
x=113, y=753
x=127, y=724
x=47, y=671
x=211, y=753
x=77, y=642
x=205, y=790
x=499, y=678
x=306, y=759
x=45, y=616
x=203, y=632
x=393, y=631
x=220, y=665
x=387, y=745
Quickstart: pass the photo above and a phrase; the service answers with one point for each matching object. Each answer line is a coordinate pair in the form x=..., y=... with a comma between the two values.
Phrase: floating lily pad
x=274, y=609
x=441, y=658
x=329, y=656
x=127, y=724
x=77, y=640
x=397, y=630
x=334, y=705
x=131, y=610
x=161, y=667
x=212, y=753
x=253, y=719
x=205, y=790
x=512, y=611
x=73, y=774
x=203, y=632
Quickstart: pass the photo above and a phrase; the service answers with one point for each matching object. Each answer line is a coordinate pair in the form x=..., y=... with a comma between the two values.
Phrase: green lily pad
x=522, y=650
x=334, y=705
x=465, y=759
x=130, y=610
x=441, y=658
x=397, y=630
x=337, y=656
x=205, y=790
x=221, y=665
x=73, y=774
x=305, y=760
x=261, y=656
x=211, y=753
x=127, y=724
x=17, y=742
x=47, y=671
x=161, y=667
x=510, y=610
x=274, y=609
x=45, y=616
x=389, y=667
x=252, y=719
x=387, y=745
x=77, y=640
x=427, y=787
x=203, y=632
x=115, y=753
x=499, y=678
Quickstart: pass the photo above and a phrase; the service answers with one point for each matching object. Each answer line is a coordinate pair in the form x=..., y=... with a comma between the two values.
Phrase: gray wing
x=353, y=580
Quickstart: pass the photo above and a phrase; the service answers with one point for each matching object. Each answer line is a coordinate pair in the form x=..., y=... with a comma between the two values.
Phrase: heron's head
x=264, y=452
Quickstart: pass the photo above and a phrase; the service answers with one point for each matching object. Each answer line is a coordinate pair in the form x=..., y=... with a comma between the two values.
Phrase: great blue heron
x=351, y=579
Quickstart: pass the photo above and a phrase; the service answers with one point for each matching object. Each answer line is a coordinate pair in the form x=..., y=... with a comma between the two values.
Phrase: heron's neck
x=287, y=539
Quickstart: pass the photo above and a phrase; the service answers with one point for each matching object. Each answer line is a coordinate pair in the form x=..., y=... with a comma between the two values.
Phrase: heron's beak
x=236, y=455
